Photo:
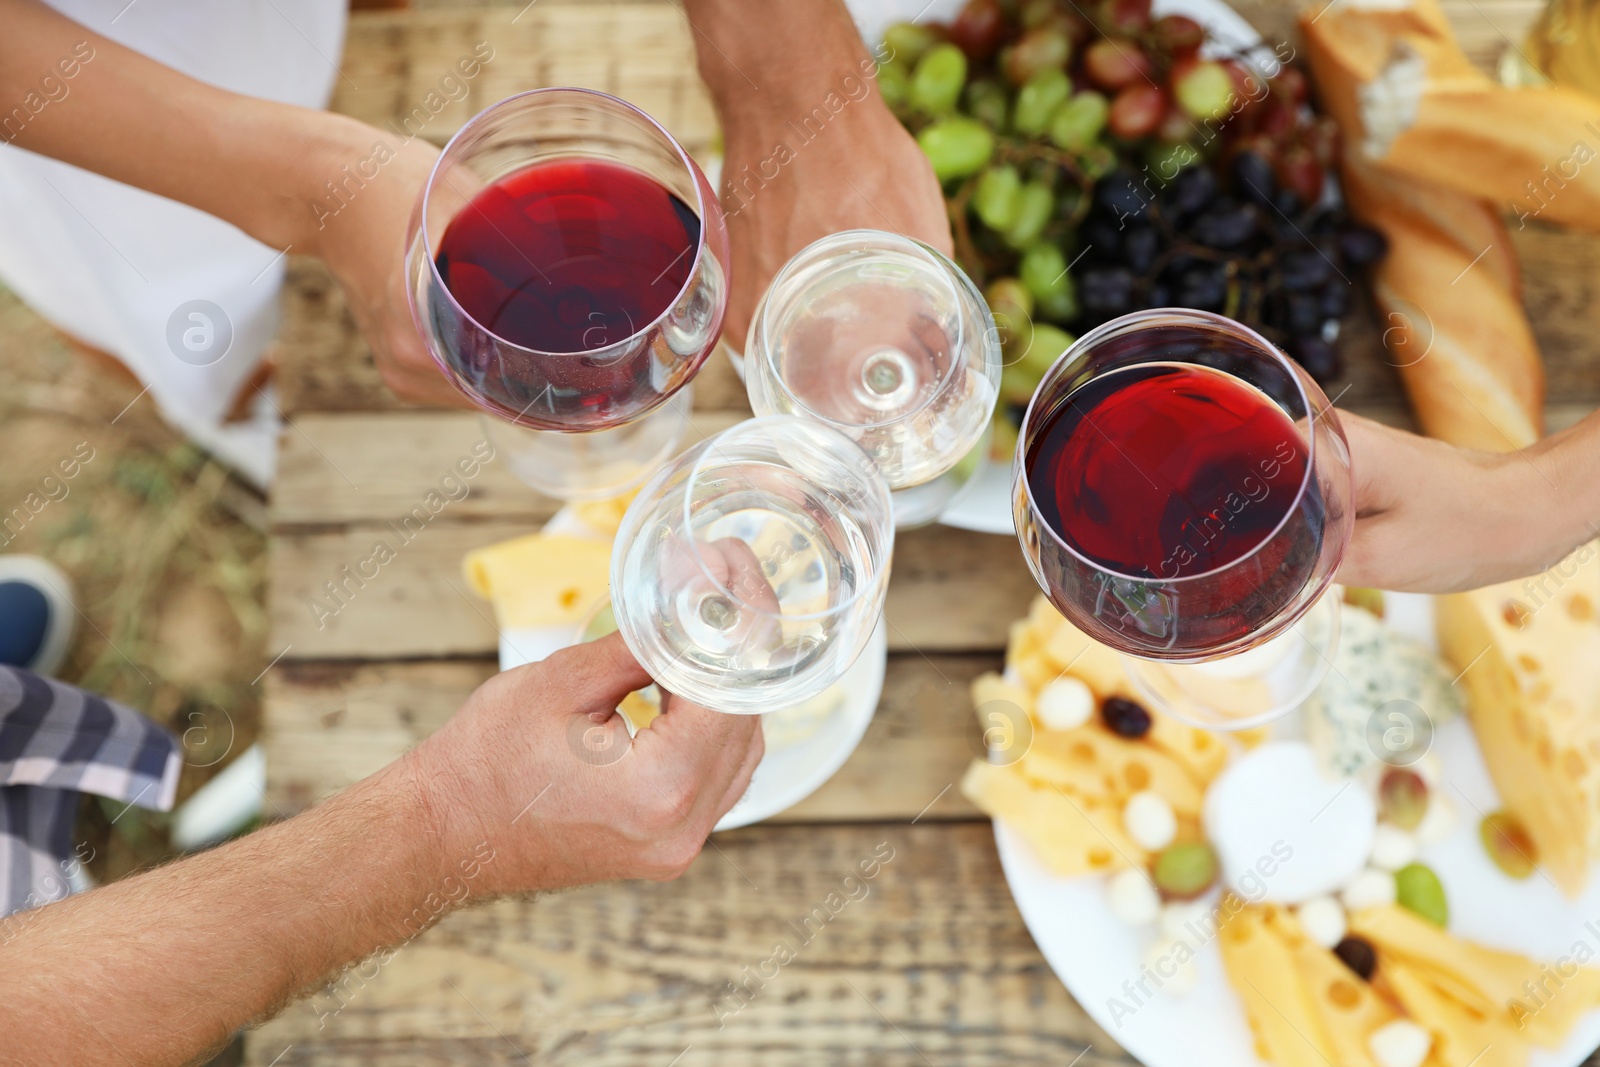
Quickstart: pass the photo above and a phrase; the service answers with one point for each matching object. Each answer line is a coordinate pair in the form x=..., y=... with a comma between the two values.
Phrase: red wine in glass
x=571, y=256
x=1168, y=499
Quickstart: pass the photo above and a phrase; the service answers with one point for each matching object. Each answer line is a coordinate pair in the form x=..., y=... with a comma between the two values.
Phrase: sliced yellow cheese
x=1048, y=646
x=1202, y=752
x=604, y=516
x=538, y=581
x=990, y=687
x=1529, y=653
x=1069, y=836
x=1348, y=1008
x=1543, y=1001
x=1091, y=757
x=1071, y=650
x=1461, y=1036
x=1261, y=968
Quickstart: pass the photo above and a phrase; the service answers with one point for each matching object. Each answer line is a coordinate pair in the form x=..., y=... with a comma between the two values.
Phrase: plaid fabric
x=57, y=741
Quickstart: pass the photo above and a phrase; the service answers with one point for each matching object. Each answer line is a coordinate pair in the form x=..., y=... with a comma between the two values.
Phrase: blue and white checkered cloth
x=57, y=741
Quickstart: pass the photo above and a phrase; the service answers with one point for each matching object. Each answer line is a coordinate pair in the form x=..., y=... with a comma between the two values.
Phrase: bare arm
x=1434, y=518
x=261, y=165
x=507, y=797
x=810, y=146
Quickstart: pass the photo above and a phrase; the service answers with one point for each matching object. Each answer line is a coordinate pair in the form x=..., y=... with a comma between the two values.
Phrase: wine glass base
x=1253, y=688
x=597, y=465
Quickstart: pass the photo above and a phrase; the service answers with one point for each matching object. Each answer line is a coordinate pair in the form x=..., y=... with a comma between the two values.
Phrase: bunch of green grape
x=1022, y=106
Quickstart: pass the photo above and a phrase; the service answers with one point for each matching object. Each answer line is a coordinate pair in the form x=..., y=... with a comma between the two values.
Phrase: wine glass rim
x=870, y=478
x=1117, y=325
x=702, y=245
x=768, y=352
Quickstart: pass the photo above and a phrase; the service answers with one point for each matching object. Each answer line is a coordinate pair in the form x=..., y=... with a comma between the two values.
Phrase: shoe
x=37, y=614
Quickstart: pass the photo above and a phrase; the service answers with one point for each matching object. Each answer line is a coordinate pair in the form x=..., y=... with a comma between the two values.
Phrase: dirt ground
x=166, y=549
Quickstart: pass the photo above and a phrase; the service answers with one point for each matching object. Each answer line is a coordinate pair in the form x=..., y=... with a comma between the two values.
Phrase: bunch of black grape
x=1242, y=246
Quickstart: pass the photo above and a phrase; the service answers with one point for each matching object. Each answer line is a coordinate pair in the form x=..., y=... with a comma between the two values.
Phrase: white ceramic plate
x=787, y=774
x=1094, y=953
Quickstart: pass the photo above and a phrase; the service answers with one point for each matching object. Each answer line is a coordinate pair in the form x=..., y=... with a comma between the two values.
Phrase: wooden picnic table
x=933, y=965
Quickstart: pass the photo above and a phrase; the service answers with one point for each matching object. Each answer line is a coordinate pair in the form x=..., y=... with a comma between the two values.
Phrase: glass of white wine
x=887, y=341
x=749, y=573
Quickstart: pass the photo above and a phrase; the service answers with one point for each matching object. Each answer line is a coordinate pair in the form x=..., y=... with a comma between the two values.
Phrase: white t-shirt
x=119, y=268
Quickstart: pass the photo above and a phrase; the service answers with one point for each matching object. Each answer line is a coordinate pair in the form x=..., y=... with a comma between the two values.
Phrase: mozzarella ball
x=1323, y=920
x=1392, y=848
x=1401, y=1043
x=1369, y=889
x=1064, y=704
x=1150, y=821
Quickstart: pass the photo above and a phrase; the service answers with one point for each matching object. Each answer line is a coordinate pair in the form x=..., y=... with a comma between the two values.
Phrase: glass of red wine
x=1182, y=494
x=567, y=267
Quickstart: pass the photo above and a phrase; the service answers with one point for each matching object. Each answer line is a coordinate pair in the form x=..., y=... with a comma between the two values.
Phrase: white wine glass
x=749, y=573
x=887, y=341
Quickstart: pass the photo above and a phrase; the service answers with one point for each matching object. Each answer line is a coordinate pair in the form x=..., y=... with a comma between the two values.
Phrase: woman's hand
x=1434, y=518
x=362, y=237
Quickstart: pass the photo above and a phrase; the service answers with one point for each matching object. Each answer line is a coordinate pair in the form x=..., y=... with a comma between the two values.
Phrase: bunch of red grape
x=1097, y=162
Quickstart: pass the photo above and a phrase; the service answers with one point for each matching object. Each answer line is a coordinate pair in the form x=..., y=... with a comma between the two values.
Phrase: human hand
x=538, y=765
x=1434, y=518
x=362, y=240
x=862, y=171
x=810, y=150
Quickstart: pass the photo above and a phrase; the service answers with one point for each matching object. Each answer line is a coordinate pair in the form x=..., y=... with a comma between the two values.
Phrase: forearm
x=1564, y=469
x=764, y=61
x=257, y=164
x=164, y=966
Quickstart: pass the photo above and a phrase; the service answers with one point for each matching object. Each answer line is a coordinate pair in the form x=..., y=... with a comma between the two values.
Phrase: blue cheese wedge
x=1347, y=720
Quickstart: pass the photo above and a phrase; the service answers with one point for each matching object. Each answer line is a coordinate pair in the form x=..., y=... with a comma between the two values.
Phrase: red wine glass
x=567, y=268
x=1182, y=494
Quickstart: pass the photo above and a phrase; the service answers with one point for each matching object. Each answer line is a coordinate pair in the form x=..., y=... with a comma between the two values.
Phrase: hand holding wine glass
x=749, y=573
x=1182, y=494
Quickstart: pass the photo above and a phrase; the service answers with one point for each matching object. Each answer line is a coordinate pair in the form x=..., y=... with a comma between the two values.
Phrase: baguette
x=1402, y=88
x=1455, y=328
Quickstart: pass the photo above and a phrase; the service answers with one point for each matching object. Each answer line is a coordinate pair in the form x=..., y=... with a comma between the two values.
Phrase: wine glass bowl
x=750, y=571
x=887, y=341
x=1201, y=502
x=614, y=315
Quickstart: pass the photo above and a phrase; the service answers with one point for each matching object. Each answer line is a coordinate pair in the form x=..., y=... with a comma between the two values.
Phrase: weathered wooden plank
x=926, y=962
x=414, y=64
x=952, y=590
x=331, y=724
x=371, y=467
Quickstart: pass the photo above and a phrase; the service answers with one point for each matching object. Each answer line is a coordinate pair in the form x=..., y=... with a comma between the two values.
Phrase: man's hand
x=537, y=764
x=810, y=148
